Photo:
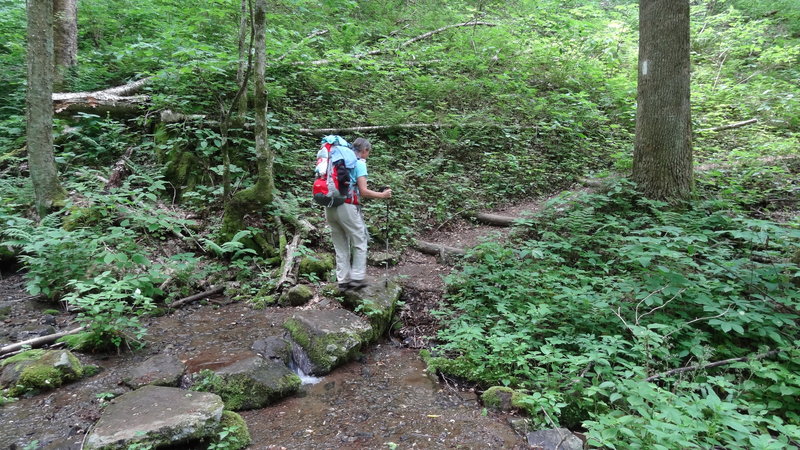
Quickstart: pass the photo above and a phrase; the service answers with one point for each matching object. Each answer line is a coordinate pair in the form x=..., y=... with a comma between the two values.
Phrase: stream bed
x=385, y=399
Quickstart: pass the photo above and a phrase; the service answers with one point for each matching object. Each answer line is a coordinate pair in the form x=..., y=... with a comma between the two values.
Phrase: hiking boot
x=358, y=284
x=346, y=286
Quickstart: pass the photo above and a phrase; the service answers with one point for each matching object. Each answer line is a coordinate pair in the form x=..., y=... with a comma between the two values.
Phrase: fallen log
x=199, y=296
x=287, y=265
x=429, y=248
x=730, y=126
x=117, y=101
x=494, y=219
x=39, y=341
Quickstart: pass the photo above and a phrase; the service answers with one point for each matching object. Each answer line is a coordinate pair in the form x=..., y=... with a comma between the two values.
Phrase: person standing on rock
x=348, y=232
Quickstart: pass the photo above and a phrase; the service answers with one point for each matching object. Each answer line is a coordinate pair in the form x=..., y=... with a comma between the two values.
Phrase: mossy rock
x=457, y=368
x=38, y=370
x=328, y=338
x=500, y=398
x=81, y=217
x=239, y=436
x=319, y=265
x=249, y=384
x=297, y=296
x=376, y=302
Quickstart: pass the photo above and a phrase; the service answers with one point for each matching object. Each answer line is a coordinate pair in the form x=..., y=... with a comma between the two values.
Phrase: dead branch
x=120, y=170
x=423, y=36
x=437, y=31
x=117, y=100
x=730, y=126
x=199, y=296
x=713, y=364
x=445, y=251
x=39, y=341
x=404, y=126
x=287, y=265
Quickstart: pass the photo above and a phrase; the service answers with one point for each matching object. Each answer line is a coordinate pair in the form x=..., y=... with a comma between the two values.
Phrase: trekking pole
x=386, y=238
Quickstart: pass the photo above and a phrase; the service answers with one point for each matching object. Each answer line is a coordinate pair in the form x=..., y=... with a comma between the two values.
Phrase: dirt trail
x=384, y=398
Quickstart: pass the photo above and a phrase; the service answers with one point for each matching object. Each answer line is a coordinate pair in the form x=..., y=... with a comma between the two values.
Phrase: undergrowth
x=598, y=294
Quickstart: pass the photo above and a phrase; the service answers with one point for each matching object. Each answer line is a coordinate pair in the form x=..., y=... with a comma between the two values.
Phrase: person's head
x=362, y=147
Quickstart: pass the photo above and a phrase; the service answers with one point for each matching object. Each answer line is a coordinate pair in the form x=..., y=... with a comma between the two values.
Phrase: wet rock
x=376, y=302
x=250, y=383
x=5, y=309
x=160, y=370
x=39, y=370
x=555, y=438
x=499, y=397
x=319, y=265
x=274, y=348
x=328, y=338
x=520, y=424
x=296, y=296
x=156, y=416
x=382, y=259
x=34, y=330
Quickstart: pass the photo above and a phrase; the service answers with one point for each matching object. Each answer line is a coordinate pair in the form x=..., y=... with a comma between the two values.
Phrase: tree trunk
x=244, y=48
x=662, y=157
x=65, y=39
x=256, y=197
x=39, y=107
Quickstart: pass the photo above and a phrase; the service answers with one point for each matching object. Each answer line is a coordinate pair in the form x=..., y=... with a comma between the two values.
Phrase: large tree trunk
x=256, y=197
x=39, y=107
x=65, y=39
x=662, y=158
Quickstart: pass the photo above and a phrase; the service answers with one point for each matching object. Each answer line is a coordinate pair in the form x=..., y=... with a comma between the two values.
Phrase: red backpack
x=333, y=184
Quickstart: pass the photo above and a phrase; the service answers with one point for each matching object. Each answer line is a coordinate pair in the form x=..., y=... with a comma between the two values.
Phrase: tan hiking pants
x=349, y=241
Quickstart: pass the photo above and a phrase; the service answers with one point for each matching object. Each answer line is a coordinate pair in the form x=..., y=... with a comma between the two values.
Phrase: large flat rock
x=159, y=370
x=251, y=383
x=376, y=302
x=156, y=416
x=328, y=338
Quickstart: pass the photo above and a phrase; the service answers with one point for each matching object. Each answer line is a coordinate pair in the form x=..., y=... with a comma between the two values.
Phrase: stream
x=384, y=399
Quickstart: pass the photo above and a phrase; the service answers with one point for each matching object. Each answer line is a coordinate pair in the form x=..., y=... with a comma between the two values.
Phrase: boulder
x=159, y=370
x=555, y=438
x=156, y=416
x=249, y=383
x=274, y=348
x=376, y=302
x=328, y=338
x=36, y=370
x=500, y=398
x=319, y=265
x=383, y=259
x=296, y=296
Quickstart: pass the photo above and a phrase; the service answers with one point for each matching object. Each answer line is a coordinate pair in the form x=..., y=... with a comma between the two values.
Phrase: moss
x=320, y=265
x=30, y=355
x=323, y=351
x=454, y=367
x=501, y=398
x=248, y=200
x=42, y=370
x=81, y=342
x=239, y=392
x=239, y=436
x=297, y=295
x=81, y=217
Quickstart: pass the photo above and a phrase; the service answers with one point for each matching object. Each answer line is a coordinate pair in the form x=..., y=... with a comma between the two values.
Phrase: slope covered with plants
x=470, y=104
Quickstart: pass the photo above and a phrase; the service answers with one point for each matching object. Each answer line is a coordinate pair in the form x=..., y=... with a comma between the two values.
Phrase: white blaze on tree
x=662, y=159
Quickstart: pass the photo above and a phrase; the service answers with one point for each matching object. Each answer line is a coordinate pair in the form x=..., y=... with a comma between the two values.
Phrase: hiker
x=348, y=231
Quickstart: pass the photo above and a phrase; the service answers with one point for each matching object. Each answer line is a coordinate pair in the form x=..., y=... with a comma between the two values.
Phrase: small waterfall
x=301, y=365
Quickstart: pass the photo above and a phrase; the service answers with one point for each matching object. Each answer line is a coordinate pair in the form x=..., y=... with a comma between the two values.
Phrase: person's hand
x=387, y=193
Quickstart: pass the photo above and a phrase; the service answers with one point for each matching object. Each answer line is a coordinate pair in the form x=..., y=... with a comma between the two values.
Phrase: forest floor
x=384, y=398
